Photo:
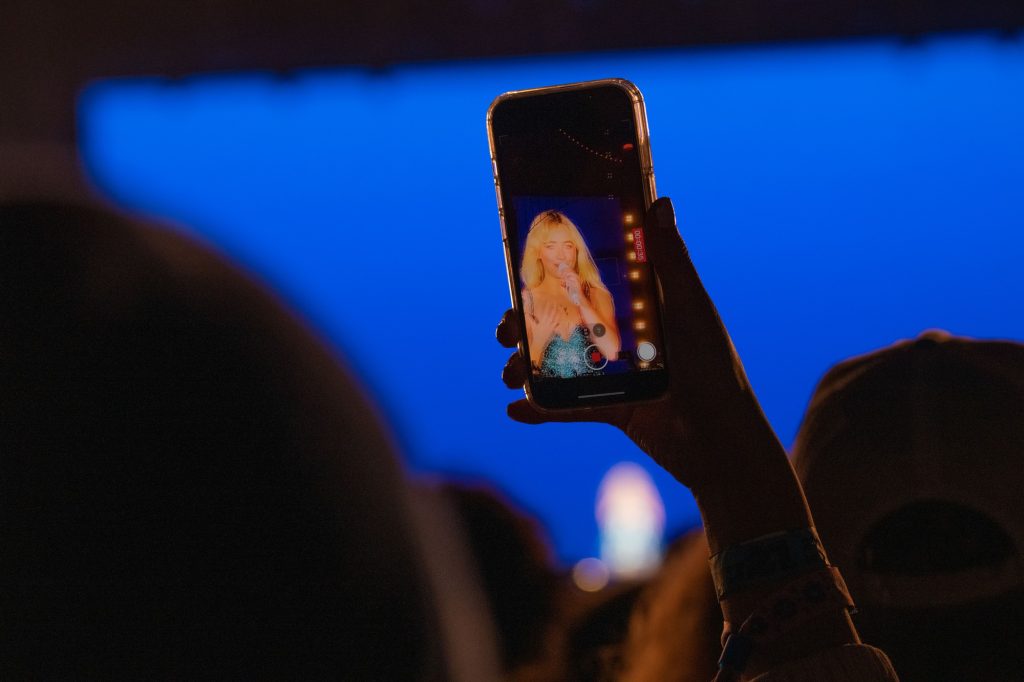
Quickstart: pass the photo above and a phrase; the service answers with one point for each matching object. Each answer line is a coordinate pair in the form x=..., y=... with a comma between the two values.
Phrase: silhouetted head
x=912, y=459
x=515, y=567
x=676, y=626
x=190, y=484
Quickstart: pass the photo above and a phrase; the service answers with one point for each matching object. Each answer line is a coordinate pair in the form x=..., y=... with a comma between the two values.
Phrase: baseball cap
x=912, y=459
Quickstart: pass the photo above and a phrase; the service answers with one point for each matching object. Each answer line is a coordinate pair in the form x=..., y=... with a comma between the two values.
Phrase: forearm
x=604, y=333
x=609, y=345
x=760, y=493
x=761, y=496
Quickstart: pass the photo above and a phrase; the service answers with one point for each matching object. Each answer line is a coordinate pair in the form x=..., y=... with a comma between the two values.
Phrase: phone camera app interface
x=574, y=197
x=585, y=287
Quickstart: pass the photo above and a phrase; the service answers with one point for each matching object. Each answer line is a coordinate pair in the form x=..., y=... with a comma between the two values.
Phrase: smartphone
x=574, y=178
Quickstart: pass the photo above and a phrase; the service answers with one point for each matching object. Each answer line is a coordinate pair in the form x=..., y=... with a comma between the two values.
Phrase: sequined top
x=566, y=357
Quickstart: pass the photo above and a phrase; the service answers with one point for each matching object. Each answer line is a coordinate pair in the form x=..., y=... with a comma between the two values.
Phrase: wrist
x=740, y=476
x=759, y=497
x=737, y=469
x=791, y=621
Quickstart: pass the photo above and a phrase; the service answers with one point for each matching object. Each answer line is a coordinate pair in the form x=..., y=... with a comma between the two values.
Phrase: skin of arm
x=600, y=309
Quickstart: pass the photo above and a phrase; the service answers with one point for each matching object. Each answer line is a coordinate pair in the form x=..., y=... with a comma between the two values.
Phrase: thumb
x=693, y=328
x=685, y=299
x=668, y=254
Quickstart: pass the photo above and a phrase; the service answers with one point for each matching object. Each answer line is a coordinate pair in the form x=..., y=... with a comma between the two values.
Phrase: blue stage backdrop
x=835, y=197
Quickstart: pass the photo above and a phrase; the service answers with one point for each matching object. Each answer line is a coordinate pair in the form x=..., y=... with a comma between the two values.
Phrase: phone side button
x=501, y=207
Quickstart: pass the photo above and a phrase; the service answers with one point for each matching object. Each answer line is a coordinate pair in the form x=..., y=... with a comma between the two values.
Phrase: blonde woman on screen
x=569, y=311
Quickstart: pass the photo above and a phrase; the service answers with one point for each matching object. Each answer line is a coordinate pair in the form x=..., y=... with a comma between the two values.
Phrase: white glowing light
x=632, y=520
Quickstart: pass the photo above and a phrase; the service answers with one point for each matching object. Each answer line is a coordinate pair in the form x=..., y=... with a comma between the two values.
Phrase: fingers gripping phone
x=573, y=175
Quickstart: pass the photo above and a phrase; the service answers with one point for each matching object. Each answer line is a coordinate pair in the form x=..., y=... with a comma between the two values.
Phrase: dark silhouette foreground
x=191, y=486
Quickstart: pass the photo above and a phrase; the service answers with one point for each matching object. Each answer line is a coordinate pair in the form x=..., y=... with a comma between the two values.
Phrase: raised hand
x=543, y=324
x=708, y=396
x=708, y=431
x=573, y=287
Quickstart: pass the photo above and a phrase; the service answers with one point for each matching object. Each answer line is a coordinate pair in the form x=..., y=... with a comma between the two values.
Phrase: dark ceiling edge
x=104, y=38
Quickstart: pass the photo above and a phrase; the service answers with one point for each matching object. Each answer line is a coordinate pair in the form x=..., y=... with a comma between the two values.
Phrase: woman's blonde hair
x=532, y=270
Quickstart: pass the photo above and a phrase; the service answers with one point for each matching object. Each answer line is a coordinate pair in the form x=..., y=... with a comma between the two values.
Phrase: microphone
x=574, y=293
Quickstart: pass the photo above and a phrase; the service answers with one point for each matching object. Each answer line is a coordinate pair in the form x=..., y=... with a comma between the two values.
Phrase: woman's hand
x=572, y=285
x=543, y=323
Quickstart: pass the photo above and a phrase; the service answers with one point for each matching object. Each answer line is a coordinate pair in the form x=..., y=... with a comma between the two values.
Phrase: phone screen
x=574, y=188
